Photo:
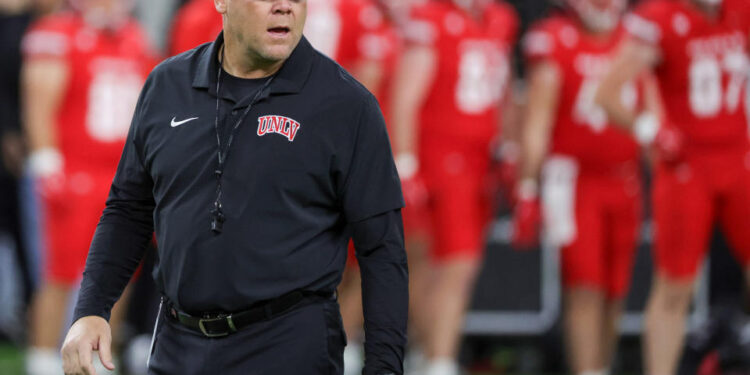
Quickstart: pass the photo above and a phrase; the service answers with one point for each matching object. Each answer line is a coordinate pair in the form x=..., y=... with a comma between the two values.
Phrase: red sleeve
x=352, y=29
x=646, y=22
x=372, y=43
x=195, y=24
x=422, y=28
x=738, y=13
x=540, y=42
x=49, y=37
x=508, y=18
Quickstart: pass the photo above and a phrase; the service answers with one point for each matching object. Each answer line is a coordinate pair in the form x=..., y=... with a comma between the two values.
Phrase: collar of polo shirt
x=289, y=79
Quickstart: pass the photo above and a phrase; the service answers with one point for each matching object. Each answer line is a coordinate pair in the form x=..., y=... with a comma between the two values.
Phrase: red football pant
x=689, y=198
x=595, y=222
x=455, y=174
x=69, y=222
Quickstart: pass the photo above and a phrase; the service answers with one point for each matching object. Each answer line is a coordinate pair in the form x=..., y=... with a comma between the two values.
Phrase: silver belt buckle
x=228, y=319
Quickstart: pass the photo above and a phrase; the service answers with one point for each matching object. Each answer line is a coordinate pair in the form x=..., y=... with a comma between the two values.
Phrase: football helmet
x=599, y=15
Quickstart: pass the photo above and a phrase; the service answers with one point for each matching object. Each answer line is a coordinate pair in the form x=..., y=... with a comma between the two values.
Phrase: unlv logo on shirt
x=279, y=125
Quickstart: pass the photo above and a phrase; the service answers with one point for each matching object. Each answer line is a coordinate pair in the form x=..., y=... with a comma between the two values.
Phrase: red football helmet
x=599, y=15
x=104, y=14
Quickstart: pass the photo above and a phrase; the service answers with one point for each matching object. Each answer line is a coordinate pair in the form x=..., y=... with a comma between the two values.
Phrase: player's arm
x=510, y=118
x=43, y=84
x=541, y=107
x=633, y=59
x=414, y=76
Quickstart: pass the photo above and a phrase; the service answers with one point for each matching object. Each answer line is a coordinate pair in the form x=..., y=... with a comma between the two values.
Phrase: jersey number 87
x=707, y=96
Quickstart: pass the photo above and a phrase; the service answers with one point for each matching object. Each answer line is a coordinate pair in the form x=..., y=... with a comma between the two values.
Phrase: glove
x=415, y=191
x=46, y=168
x=412, y=184
x=526, y=216
x=669, y=144
x=664, y=138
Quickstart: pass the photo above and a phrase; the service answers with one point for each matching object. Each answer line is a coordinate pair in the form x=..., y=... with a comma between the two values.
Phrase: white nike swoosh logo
x=178, y=123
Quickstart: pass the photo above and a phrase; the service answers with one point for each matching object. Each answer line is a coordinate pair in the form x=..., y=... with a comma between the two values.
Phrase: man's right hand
x=88, y=334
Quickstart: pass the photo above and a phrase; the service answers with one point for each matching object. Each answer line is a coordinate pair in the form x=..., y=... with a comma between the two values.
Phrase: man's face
x=104, y=13
x=269, y=29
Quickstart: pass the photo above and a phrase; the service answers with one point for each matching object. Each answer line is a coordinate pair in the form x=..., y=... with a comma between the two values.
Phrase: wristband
x=407, y=165
x=45, y=162
x=645, y=128
x=528, y=189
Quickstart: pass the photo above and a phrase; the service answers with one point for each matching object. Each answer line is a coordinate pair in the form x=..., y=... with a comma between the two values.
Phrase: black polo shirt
x=310, y=161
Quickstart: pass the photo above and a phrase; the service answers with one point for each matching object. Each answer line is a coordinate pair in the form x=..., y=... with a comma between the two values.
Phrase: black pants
x=308, y=339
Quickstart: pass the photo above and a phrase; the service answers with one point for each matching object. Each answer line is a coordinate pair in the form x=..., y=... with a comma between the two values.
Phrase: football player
x=449, y=86
x=197, y=22
x=697, y=50
x=82, y=72
x=590, y=184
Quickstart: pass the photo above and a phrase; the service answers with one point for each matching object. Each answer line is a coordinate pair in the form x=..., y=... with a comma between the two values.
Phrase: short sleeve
x=372, y=41
x=375, y=45
x=644, y=23
x=507, y=18
x=372, y=185
x=47, y=38
x=421, y=27
x=538, y=45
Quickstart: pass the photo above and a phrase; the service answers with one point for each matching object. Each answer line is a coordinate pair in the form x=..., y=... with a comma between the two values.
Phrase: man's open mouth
x=279, y=31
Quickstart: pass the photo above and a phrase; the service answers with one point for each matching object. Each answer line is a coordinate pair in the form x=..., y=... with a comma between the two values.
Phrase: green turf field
x=11, y=360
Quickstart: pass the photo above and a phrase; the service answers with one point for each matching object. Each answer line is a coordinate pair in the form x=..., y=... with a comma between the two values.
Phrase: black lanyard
x=217, y=215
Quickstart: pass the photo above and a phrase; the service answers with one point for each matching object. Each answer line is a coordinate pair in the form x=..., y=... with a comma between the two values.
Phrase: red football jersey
x=702, y=72
x=195, y=23
x=106, y=70
x=351, y=31
x=582, y=129
x=473, y=66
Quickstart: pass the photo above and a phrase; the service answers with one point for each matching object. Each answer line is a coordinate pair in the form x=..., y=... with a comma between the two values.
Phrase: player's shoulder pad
x=425, y=22
x=505, y=19
x=50, y=35
x=737, y=13
x=548, y=36
x=368, y=15
x=649, y=20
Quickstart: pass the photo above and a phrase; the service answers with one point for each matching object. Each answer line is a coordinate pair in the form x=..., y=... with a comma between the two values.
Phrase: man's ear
x=221, y=6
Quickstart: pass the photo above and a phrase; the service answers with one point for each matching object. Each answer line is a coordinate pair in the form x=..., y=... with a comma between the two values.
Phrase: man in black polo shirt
x=254, y=158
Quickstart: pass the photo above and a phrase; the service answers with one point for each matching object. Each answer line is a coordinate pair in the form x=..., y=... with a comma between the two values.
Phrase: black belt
x=219, y=325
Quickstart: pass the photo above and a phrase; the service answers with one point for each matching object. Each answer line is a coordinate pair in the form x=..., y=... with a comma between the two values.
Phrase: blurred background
x=514, y=322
